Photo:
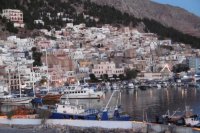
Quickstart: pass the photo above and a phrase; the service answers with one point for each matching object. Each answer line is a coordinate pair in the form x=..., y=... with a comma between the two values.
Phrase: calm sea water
x=150, y=102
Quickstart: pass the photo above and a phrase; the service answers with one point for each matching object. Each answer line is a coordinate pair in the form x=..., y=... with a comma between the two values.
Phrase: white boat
x=14, y=100
x=108, y=87
x=81, y=92
x=159, y=86
x=114, y=87
x=130, y=86
x=192, y=120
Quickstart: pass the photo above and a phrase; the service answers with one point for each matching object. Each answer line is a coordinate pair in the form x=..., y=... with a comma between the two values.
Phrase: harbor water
x=144, y=104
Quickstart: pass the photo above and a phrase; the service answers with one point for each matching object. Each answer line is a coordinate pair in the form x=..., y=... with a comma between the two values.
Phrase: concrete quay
x=85, y=126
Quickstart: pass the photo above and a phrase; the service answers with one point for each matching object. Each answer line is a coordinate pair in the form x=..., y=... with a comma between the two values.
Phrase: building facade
x=108, y=68
x=194, y=64
x=15, y=16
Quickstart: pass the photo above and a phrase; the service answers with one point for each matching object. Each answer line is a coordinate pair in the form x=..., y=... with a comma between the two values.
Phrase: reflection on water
x=152, y=101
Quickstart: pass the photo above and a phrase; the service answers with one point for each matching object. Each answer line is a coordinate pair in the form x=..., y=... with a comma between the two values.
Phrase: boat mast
x=32, y=77
x=105, y=109
x=20, y=93
x=117, y=101
x=47, y=69
x=9, y=84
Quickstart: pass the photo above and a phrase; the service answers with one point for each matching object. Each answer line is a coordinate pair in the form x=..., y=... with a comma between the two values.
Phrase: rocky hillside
x=167, y=15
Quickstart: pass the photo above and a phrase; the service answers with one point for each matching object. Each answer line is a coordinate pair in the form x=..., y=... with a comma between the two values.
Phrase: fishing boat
x=175, y=118
x=116, y=115
x=81, y=92
x=190, y=118
x=49, y=94
x=66, y=110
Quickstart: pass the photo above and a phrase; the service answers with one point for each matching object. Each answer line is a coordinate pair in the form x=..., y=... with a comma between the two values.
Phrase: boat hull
x=83, y=96
x=52, y=97
x=17, y=101
x=73, y=116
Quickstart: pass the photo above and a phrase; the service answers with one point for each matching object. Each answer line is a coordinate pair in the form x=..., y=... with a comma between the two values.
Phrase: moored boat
x=66, y=110
x=16, y=100
x=80, y=92
x=190, y=118
x=109, y=114
x=130, y=85
x=49, y=95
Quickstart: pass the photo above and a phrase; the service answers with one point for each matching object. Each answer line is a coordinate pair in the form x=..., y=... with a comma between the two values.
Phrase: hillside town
x=76, y=51
x=57, y=59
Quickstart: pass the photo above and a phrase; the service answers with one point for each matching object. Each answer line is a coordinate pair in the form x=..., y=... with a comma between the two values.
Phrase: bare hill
x=168, y=15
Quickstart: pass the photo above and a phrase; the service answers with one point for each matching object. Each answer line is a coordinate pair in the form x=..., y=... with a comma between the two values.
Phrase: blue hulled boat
x=115, y=115
x=68, y=111
x=65, y=110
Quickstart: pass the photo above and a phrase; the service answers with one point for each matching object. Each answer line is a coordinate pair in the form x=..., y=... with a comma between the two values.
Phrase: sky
x=192, y=6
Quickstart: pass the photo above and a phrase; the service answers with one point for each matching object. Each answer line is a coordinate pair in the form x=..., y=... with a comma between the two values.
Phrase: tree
x=121, y=77
x=4, y=20
x=115, y=76
x=131, y=74
x=43, y=81
x=104, y=77
x=10, y=27
x=37, y=57
x=180, y=68
x=93, y=77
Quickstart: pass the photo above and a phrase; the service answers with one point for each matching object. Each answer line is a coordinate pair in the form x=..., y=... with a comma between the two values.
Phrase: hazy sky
x=190, y=5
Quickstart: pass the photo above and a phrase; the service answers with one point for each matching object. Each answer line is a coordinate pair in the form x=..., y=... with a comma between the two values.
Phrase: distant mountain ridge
x=167, y=15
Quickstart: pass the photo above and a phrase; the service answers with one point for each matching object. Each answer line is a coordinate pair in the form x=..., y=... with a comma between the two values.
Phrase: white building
x=39, y=22
x=78, y=54
x=107, y=68
x=15, y=16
